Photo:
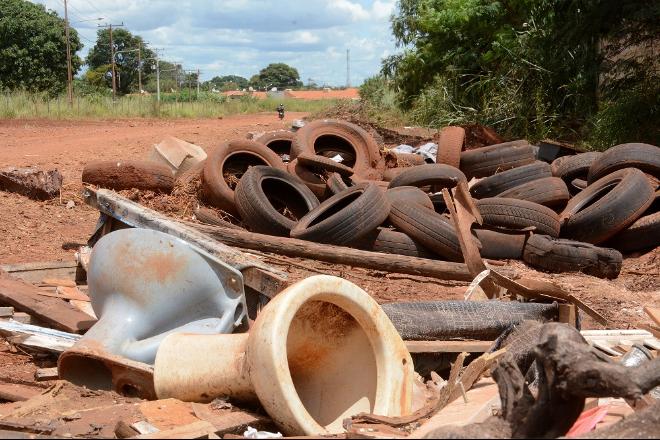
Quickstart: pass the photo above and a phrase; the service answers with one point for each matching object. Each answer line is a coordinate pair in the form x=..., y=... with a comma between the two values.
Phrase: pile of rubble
x=168, y=329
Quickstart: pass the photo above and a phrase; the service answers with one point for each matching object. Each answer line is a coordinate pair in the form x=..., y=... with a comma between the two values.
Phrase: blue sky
x=242, y=36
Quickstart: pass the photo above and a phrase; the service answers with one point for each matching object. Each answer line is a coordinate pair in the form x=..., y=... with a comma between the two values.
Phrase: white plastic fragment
x=253, y=433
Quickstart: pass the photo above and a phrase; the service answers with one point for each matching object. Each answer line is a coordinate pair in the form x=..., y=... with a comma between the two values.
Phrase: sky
x=240, y=37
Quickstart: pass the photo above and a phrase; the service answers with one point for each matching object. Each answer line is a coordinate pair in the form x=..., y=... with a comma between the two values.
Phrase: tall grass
x=23, y=105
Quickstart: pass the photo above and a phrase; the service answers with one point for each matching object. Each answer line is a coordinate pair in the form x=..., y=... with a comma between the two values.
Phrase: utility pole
x=197, y=83
x=348, y=68
x=112, y=59
x=140, y=68
x=157, y=78
x=69, y=69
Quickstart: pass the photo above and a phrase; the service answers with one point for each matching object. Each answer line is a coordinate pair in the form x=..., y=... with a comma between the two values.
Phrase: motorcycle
x=280, y=112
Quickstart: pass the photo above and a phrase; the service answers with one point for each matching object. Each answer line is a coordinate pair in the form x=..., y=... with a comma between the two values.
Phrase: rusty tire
x=233, y=157
x=644, y=157
x=410, y=194
x=314, y=161
x=549, y=191
x=574, y=167
x=435, y=175
x=330, y=137
x=501, y=246
x=486, y=161
x=450, y=144
x=279, y=141
x=607, y=206
x=518, y=214
x=560, y=255
x=388, y=241
x=641, y=235
x=430, y=229
x=335, y=184
x=314, y=180
x=264, y=192
x=493, y=185
x=345, y=217
x=127, y=174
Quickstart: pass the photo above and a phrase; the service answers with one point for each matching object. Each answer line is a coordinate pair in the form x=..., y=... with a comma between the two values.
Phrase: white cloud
x=242, y=36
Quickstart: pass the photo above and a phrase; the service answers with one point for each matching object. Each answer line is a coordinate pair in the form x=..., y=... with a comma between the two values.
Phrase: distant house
x=315, y=95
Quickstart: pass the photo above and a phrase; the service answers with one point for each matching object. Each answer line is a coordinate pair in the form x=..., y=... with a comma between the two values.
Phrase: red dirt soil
x=36, y=231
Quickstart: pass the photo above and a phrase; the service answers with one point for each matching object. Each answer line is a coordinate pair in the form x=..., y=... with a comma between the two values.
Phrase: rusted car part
x=119, y=212
x=319, y=352
x=143, y=286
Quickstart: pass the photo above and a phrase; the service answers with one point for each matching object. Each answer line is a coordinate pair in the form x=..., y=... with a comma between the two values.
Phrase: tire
x=330, y=137
x=402, y=160
x=518, y=214
x=641, y=235
x=410, y=194
x=574, y=167
x=607, y=206
x=390, y=173
x=314, y=181
x=279, y=141
x=501, y=246
x=264, y=191
x=493, y=185
x=549, y=191
x=335, y=184
x=450, y=144
x=486, y=161
x=314, y=161
x=393, y=242
x=437, y=175
x=560, y=255
x=128, y=174
x=345, y=217
x=233, y=157
x=644, y=157
x=577, y=185
x=430, y=229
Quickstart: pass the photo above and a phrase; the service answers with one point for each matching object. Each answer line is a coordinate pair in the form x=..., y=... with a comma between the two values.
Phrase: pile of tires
x=329, y=182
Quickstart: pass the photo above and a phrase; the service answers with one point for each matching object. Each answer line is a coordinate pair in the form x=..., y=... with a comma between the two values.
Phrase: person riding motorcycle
x=280, y=111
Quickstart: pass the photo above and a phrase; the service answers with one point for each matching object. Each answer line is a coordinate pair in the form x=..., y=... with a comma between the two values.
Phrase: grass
x=22, y=105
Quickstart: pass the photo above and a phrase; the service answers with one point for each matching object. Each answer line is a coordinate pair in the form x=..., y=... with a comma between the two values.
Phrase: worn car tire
x=500, y=245
x=126, y=174
x=430, y=229
x=393, y=242
x=549, y=191
x=345, y=217
x=518, y=214
x=641, y=235
x=560, y=255
x=279, y=141
x=607, y=206
x=335, y=184
x=235, y=156
x=313, y=180
x=644, y=157
x=497, y=183
x=574, y=167
x=330, y=137
x=486, y=161
x=410, y=194
x=264, y=191
x=435, y=175
x=315, y=161
x=450, y=144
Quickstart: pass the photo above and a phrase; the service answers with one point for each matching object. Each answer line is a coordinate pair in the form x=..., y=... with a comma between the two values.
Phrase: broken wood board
x=32, y=336
x=114, y=206
x=482, y=400
x=448, y=346
x=36, y=272
x=52, y=311
x=198, y=429
x=227, y=421
x=610, y=338
x=653, y=313
x=67, y=293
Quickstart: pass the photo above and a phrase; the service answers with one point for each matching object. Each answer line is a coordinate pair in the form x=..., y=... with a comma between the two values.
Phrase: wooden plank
x=35, y=272
x=567, y=314
x=44, y=374
x=69, y=293
x=55, y=282
x=52, y=311
x=230, y=421
x=448, y=346
x=6, y=312
x=654, y=314
x=12, y=392
x=200, y=429
x=137, y=216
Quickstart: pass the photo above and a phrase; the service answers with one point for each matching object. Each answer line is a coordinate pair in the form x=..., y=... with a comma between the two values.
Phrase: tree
x=228, y=82
x=530, y=67
x=33, y=48
x=126, y=57
x=278, y=75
